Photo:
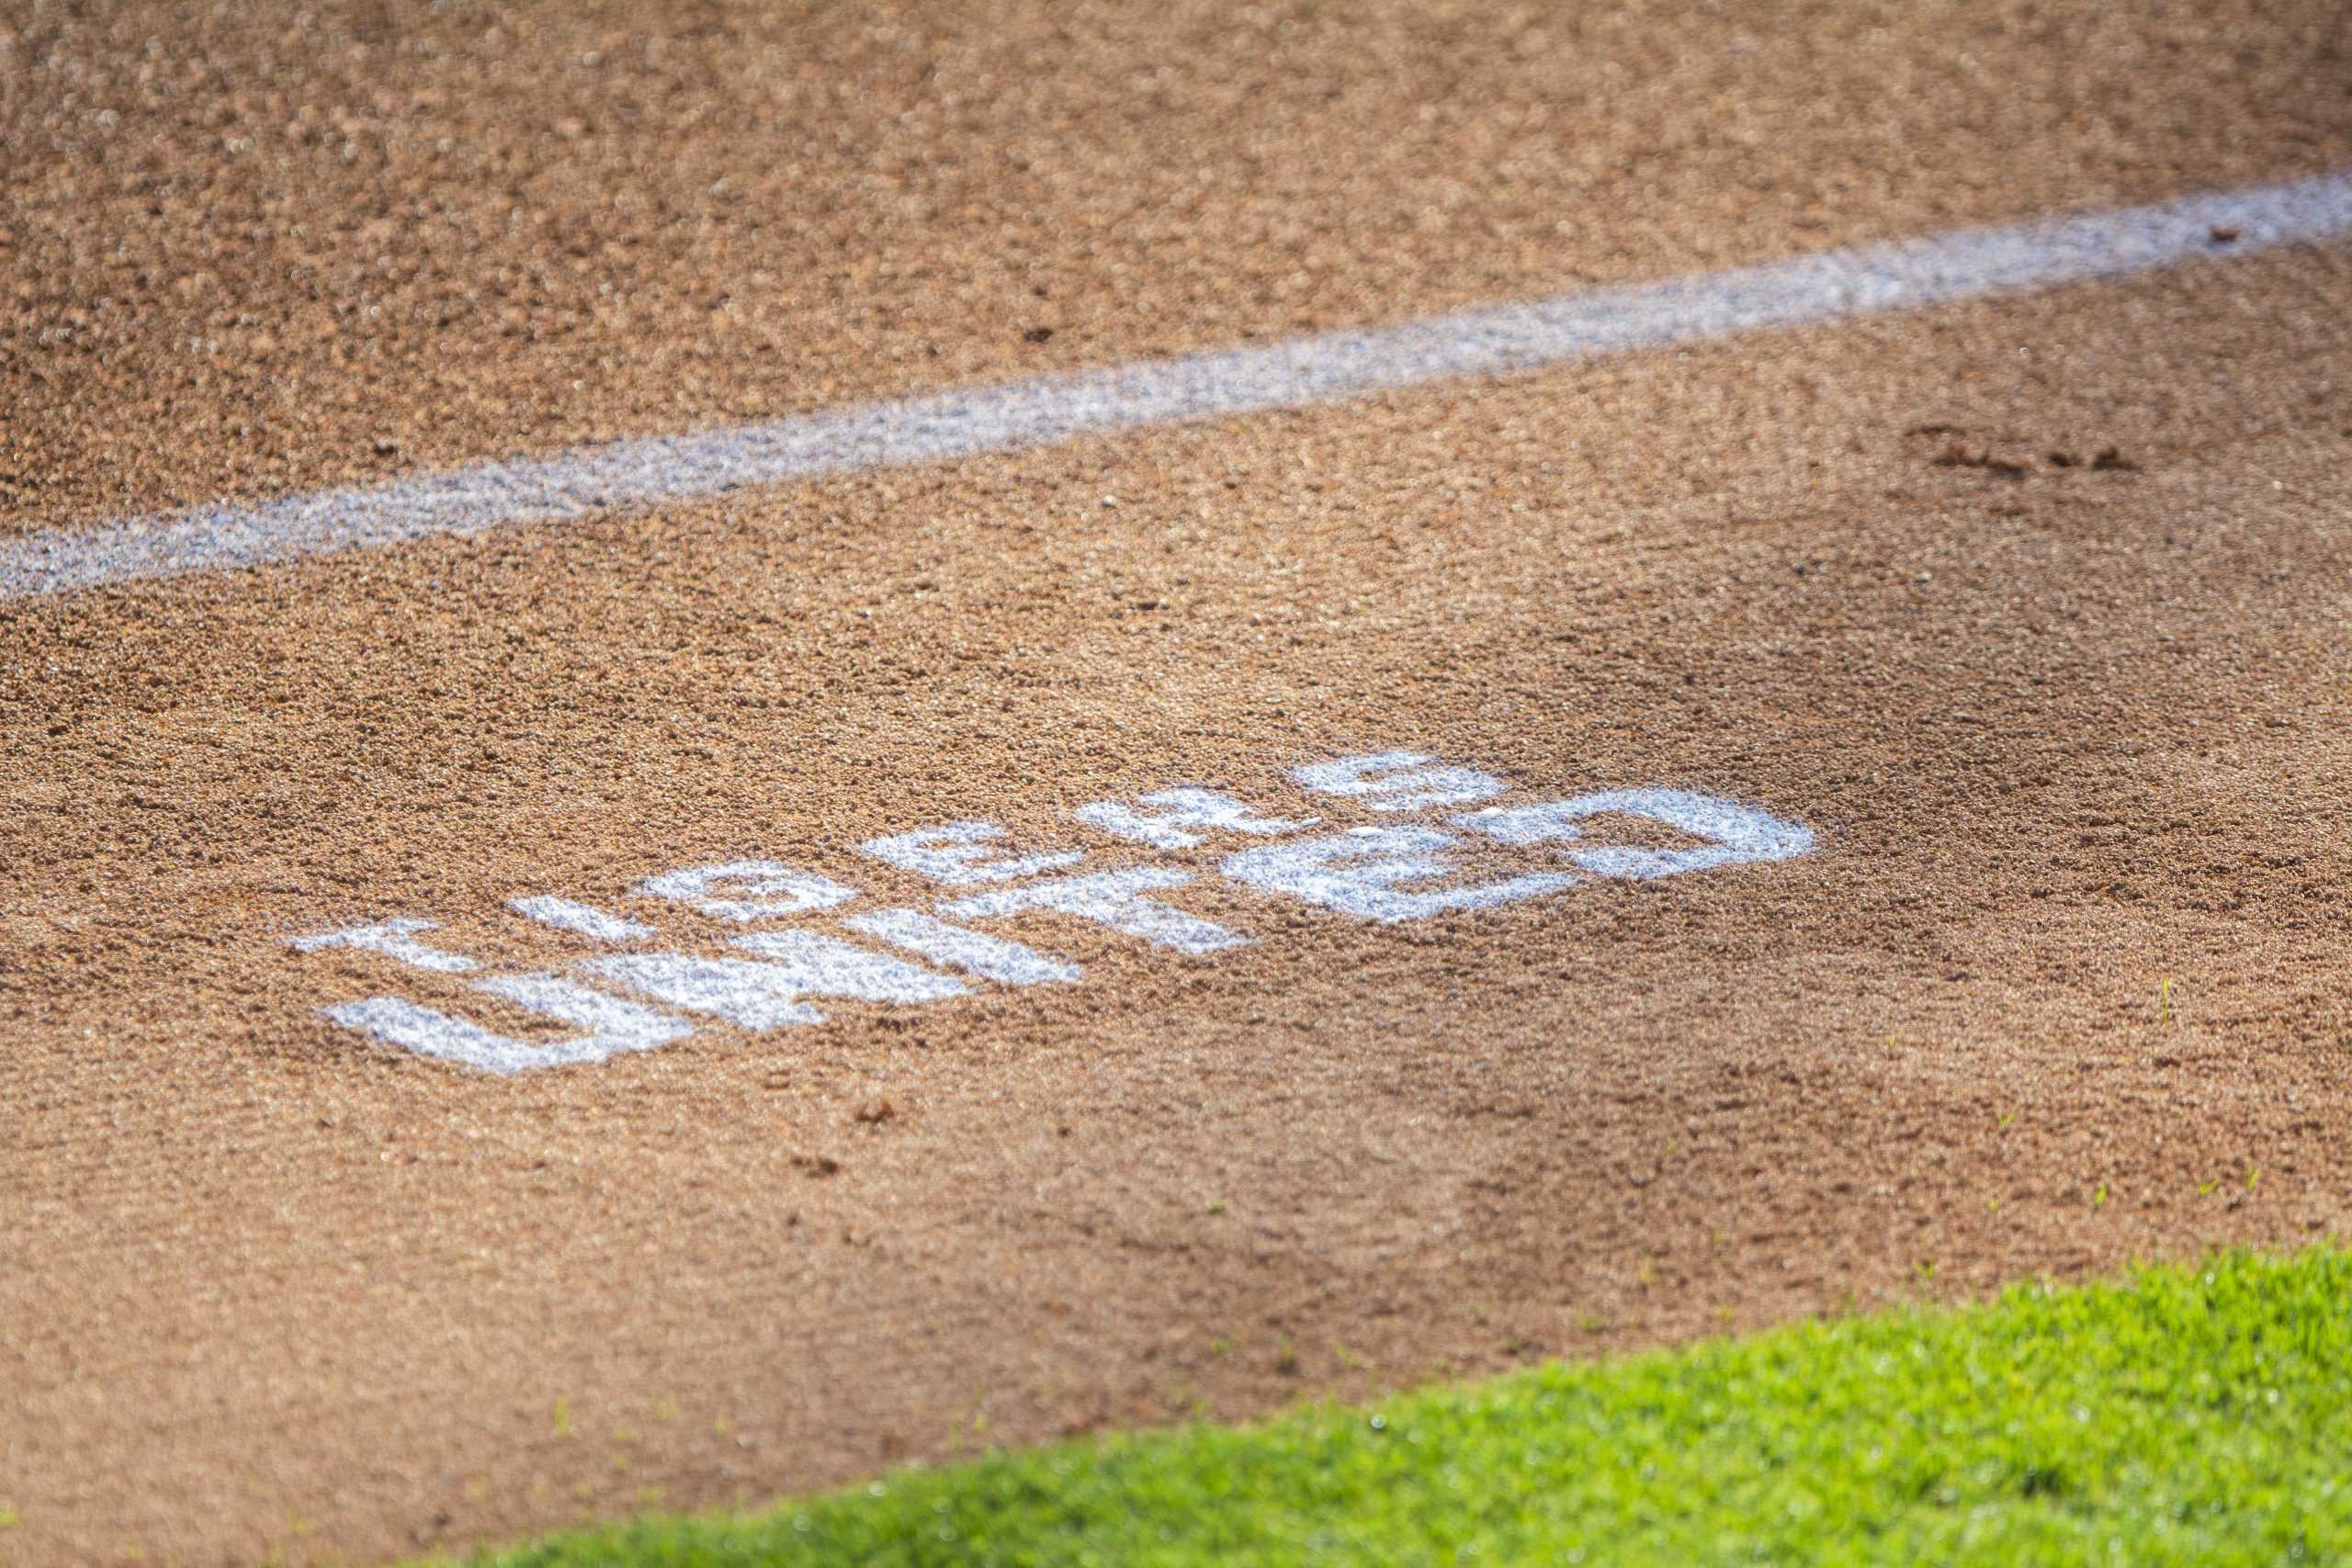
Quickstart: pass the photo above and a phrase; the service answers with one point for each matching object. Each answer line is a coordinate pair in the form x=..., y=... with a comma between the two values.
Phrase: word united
x=632, y=996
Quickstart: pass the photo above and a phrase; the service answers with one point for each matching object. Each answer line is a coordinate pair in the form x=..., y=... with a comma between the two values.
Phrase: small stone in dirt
x=2110, y=460
x=1038, y=334
x=2223, y=233
x=874, y=1115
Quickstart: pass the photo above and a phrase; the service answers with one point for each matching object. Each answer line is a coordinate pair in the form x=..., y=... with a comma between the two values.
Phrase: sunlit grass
x=2181, y=1415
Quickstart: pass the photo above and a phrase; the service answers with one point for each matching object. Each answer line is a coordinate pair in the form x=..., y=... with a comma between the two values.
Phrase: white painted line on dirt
x=1866, y=280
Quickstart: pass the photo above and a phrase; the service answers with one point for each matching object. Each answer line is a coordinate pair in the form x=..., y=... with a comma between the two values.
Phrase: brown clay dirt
x=2064, y=983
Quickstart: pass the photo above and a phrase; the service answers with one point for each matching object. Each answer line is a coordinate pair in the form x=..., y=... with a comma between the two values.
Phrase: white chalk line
x=1841, y=285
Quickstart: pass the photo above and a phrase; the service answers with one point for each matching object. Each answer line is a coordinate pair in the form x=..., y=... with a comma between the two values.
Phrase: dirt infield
x=2032, y=611
x=364, y=237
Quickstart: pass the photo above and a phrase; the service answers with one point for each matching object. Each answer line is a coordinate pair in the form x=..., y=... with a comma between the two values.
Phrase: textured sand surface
x=244, y=249
x=2032, y=609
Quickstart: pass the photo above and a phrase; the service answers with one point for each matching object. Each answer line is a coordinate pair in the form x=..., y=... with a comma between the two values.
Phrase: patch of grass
x=2181, y=1415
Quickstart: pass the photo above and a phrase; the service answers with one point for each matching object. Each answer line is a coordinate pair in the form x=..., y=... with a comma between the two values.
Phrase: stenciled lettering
x=1389, y=873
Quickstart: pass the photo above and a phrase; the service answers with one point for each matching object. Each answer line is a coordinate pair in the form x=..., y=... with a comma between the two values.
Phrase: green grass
x=2178, y=1416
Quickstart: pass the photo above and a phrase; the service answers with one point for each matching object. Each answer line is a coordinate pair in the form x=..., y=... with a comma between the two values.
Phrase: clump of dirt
x=1955, y=452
